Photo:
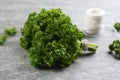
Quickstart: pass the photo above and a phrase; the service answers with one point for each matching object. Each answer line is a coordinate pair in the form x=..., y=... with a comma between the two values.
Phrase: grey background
x=14, y=64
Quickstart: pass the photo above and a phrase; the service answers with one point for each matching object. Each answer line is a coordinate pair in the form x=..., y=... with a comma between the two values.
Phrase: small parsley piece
x=115, y=46
x=3, y=39
x=10, y=31
x=117, y=26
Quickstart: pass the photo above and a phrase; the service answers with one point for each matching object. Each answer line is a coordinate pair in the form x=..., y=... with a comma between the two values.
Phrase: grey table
x=14, y=63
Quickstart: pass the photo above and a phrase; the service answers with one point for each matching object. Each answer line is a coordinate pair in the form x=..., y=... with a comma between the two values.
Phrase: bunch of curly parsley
x=51, y=39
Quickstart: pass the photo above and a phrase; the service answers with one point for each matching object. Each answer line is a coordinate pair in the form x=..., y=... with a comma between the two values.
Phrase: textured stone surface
x=14, y=64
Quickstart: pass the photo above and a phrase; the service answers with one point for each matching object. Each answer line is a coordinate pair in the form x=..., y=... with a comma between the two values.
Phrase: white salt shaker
x=93, y=21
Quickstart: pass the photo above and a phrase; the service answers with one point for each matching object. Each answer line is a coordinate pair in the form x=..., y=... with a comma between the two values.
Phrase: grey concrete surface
x=14, y=64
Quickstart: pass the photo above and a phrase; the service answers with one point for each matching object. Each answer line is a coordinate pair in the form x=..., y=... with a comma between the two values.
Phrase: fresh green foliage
x=3, y=39
x=10, y=31
x=117, y=26
x=51, y=39
x=115, y=46
x=7, y=32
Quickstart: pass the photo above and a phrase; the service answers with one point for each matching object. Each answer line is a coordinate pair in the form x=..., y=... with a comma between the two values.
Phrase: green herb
x=117, y=26
x=115, y=46
x=3, y=39
x=10, y=31
x=51, y=38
